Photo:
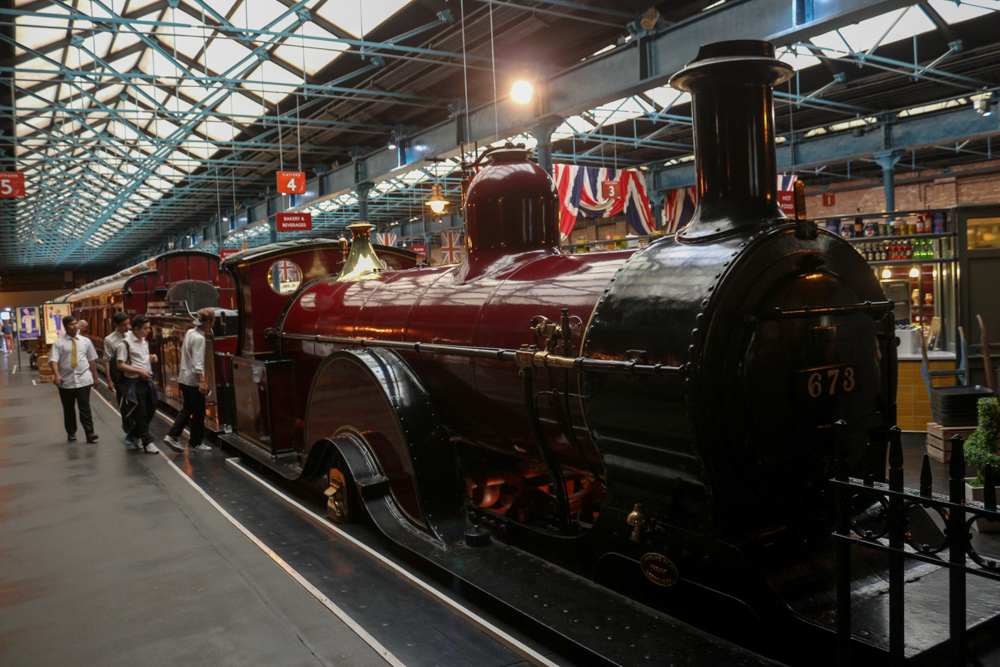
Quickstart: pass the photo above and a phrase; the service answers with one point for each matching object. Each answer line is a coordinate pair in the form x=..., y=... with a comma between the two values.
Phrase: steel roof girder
x=906, y=134
x=642, y=64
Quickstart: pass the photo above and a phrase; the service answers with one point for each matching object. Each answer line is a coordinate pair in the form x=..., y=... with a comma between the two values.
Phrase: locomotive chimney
x=731, y=87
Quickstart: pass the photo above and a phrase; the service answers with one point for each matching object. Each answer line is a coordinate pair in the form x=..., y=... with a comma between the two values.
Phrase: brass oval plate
x=659, y=569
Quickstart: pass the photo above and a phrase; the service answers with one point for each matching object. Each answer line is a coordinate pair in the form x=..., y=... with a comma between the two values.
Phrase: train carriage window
x=284, y=276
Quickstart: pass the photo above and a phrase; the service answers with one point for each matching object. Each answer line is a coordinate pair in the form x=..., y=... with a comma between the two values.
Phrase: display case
x=916, y=250
x=916, y=264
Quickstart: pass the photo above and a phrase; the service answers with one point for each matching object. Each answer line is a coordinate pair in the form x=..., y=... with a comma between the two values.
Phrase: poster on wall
x=54, y=312
x=28, y=325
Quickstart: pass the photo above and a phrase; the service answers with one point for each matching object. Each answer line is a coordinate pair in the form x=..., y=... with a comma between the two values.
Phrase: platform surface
x=107, y=557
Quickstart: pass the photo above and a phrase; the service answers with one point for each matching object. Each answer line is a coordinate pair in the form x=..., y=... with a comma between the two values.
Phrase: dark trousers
x=193, y=413
x=122, y=408
x=145, y=409
x=71, y=399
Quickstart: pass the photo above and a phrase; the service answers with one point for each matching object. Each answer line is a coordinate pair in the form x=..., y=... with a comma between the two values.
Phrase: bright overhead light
x=436, y=202
x=521, y=91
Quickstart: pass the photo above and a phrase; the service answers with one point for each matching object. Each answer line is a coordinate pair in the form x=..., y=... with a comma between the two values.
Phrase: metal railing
x=954, y=552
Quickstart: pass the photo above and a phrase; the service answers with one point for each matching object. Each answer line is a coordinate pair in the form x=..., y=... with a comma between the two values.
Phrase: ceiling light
x=649, y=19
x=983, y=105
x=436, y=202
x=392, y=143
x=521, y=91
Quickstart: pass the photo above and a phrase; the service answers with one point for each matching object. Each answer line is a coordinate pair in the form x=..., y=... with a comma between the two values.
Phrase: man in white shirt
x=193, y=384
x=74, y=365
x=136, y=362
x=111, y=342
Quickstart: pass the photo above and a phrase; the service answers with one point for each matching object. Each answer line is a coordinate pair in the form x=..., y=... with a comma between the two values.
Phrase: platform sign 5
x=27, y=323
x=292, y=182
x=11, y=184
x=294, y=222
x=54, y=312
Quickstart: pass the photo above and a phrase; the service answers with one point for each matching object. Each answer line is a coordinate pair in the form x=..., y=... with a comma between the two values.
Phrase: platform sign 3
x=292, y=182
x=11, y=184
x=610, y=189
x=54, y=312
x=27, y=323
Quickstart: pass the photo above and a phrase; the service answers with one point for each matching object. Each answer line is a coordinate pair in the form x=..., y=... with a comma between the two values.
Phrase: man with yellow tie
x=74, y=364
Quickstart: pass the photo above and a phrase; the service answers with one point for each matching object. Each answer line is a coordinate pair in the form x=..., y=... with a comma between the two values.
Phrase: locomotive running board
x=280, y=464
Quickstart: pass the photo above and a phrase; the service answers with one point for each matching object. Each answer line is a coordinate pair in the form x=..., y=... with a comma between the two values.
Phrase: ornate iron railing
x=955, y=551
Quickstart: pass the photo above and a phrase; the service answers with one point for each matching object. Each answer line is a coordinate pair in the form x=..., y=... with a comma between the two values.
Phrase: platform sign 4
x=11, y=184
x=294, y=222
x=292, y=182
x=27, y=323
x=54, y=312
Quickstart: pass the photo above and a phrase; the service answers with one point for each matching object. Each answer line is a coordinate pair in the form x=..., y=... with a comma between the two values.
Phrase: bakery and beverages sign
x=294, y=222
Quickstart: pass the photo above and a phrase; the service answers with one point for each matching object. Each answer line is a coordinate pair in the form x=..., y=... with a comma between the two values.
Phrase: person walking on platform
x=115, y=377
x=135, y=361
x=8, y=335
x=74, y=365
x=194, y=385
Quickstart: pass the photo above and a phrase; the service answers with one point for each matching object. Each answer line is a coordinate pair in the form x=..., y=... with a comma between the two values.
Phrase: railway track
x=404, y=615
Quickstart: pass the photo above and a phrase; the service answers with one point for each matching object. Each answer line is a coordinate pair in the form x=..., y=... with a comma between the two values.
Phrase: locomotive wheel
x=372, y=399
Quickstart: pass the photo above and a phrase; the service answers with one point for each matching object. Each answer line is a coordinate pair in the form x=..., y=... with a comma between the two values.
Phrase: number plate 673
x=829, y=381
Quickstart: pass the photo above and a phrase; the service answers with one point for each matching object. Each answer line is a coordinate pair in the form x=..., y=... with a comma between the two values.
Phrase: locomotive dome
x=511, y=206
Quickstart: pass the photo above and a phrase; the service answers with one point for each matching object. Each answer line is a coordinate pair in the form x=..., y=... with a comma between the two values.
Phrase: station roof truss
x=142, y=125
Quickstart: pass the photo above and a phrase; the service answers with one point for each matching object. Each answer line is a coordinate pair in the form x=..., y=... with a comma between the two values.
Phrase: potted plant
x=981, y=451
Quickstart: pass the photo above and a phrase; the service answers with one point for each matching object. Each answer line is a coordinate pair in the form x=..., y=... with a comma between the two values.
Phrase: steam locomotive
x=658, y=420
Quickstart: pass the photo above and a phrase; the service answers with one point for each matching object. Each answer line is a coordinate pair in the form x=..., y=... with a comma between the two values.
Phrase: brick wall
x=964, y=184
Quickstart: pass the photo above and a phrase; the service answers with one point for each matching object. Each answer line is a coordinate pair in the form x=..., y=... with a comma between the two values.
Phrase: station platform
x=109, y=557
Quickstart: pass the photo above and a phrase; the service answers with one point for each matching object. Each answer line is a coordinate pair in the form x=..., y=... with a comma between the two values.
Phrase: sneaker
x=201, y=448
x=150, y=448
x=173, y=444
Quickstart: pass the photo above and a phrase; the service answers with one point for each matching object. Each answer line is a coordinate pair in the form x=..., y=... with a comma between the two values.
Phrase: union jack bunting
x=451, y=247
x=386, y=238
x=786, y=182
x=678, y=208
x=580, y=195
